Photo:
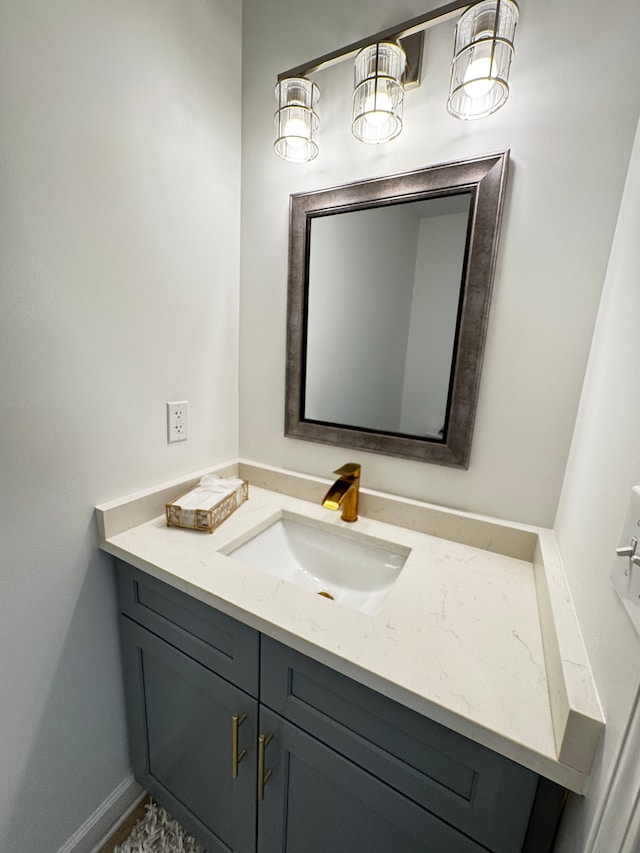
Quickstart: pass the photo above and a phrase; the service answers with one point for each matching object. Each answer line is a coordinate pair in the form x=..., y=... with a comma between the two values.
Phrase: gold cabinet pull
x=236, y=757
x=263, y=778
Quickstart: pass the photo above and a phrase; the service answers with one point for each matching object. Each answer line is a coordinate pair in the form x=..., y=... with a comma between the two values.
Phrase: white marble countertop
x=459, y=638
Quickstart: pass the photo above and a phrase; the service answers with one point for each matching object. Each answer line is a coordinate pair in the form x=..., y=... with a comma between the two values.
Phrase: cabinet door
x=180, y=728
x=315, y=801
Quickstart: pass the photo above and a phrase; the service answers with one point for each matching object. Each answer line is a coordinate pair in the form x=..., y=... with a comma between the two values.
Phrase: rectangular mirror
x=389, y=291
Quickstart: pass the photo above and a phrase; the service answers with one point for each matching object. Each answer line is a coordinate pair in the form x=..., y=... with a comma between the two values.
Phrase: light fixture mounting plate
x=413, y=47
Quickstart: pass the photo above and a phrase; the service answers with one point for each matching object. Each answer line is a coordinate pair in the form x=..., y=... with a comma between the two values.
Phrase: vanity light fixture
x=378, y=93
x=482, y=59
x=389, y=62
x=296, y=119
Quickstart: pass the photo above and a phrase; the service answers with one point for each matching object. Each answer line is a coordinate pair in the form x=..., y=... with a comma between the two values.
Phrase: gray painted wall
x=119, y=196
x=604, y=465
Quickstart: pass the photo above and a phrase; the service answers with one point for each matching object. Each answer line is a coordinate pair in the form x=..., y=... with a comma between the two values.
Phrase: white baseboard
x=98, y=826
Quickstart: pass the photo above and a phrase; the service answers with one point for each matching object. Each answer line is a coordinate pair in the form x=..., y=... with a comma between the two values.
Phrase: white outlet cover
x=177, y=421
x=625, y=576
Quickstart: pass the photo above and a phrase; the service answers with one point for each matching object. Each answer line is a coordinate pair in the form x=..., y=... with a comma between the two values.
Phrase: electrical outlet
x=177, y=421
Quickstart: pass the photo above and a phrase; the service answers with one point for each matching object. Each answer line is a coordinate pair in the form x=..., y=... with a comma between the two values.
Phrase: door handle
x=263, y=778
x=236, y=757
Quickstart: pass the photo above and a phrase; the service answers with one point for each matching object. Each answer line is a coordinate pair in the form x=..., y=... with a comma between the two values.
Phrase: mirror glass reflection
x=384, y=289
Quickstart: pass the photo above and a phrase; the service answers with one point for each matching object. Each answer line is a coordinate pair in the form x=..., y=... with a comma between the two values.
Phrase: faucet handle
x=351, y=470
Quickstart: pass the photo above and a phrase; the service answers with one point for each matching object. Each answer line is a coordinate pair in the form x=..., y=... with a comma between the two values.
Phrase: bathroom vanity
x=265, y=717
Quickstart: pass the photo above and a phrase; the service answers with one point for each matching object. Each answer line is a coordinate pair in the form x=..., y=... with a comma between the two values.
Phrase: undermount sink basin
x=354, y=570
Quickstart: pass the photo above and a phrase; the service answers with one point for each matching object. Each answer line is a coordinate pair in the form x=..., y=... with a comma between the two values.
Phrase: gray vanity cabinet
x=191, y=679
x=323, y=764
x=453, y=780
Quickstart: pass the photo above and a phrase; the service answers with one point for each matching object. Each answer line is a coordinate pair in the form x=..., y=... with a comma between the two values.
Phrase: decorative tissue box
x=207, y=505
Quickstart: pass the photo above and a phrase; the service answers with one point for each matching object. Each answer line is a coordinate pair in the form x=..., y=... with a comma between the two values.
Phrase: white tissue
x=210, y=491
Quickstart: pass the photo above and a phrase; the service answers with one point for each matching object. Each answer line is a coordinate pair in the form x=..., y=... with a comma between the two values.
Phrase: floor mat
x=158, y=832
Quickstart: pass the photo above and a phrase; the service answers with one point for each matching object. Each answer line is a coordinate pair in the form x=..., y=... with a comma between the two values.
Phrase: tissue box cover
x=204, y=507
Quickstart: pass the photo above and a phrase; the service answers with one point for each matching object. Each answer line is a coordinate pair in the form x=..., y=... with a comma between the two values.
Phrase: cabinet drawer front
x=462, y=782
x=219, y=642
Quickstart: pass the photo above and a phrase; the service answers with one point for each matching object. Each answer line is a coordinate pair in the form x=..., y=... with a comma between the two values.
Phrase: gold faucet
x=344, y=492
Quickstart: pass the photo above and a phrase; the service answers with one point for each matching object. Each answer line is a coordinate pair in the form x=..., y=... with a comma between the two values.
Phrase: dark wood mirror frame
x=485, y=179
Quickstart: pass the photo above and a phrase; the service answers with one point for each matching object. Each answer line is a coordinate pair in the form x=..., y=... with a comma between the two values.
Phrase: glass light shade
x=296, y=120
x=482, y=59
x=378, y=93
